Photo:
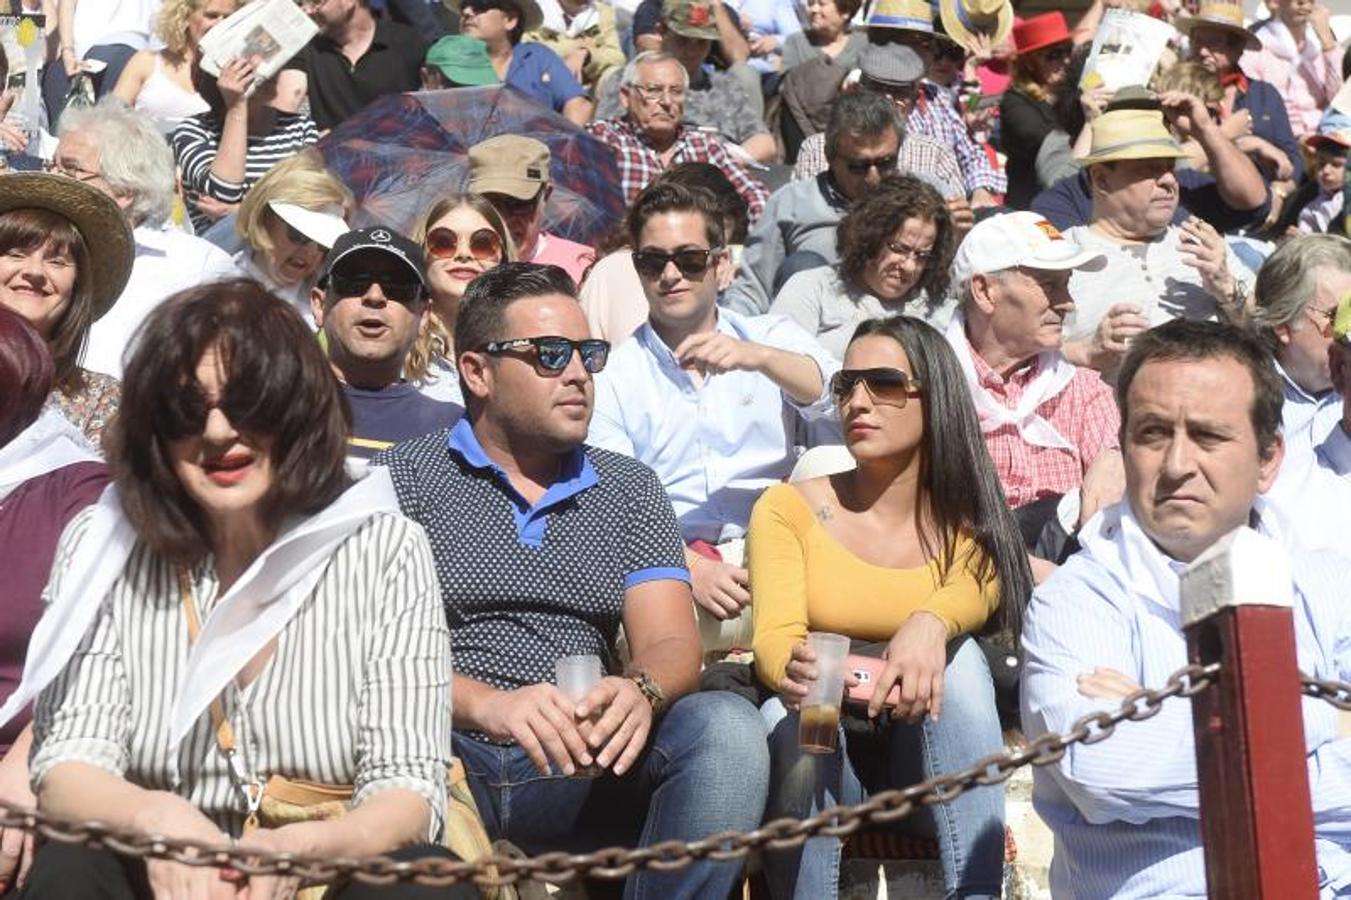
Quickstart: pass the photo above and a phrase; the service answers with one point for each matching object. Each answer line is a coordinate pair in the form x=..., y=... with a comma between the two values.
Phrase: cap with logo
x=891, y=64
x=690, y=18
x=509, y=164
x=1016, y=239
x=380, y=239
x=463, y=59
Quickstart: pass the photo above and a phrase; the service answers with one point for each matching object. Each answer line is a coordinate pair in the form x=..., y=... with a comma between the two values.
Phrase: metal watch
x=651, y=690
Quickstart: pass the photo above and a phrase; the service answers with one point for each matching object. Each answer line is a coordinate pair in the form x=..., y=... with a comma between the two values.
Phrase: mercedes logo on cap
x=380, y=235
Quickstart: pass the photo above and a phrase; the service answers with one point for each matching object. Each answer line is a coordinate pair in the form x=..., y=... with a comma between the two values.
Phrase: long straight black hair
x=960, y=493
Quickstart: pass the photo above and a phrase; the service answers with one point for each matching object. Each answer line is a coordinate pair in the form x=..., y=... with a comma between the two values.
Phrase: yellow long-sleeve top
x=803, y=579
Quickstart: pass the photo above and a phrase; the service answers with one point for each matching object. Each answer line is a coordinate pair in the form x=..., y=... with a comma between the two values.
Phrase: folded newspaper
x=1126, y=50
x=269, y=31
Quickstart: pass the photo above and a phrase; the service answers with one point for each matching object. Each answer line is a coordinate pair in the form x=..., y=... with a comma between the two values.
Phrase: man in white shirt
x=708, y=398
x=1298, y=289
x=120, y=152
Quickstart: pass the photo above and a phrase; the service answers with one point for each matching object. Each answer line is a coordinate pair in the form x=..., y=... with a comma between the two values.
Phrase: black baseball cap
x=383, y=239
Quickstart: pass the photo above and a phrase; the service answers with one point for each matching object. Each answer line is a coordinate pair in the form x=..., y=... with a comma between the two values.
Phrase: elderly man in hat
x=652, y=135
x=1050, y=426
x=1156, y=270
x=512, y=172
x=121, y=152
x=531, y=68
x=715, y=101
x=896, y=71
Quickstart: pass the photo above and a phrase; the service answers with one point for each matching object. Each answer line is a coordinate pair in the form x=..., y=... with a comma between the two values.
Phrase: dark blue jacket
x=1270, y=121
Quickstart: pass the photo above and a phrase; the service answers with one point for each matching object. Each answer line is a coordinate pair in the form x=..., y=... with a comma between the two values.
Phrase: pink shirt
x=1308, y=81
x=569, y=256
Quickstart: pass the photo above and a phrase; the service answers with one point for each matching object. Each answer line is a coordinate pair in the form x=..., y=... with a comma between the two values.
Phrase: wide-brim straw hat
x=95, y=215
x=531, y=15
x=1228, y=16
x=963, y=20
x=1131, y=134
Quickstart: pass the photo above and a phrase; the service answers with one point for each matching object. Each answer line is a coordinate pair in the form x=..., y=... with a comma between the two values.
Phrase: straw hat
x=1131, y=134
x=1228, y=16
x=964, y=19
x=911, y=15
x=531, y=16
x=95, y=216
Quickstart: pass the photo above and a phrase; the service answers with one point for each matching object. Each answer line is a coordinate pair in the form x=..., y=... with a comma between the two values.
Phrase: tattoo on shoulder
x=824, y=514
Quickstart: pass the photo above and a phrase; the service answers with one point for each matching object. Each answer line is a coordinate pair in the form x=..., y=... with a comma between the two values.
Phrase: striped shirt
x=357, y=691
x=197, y=139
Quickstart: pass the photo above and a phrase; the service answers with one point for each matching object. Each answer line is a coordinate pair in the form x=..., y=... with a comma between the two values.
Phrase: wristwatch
x=651, y=690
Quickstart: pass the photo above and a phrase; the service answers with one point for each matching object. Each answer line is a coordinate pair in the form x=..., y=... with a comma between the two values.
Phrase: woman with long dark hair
x=915, y=549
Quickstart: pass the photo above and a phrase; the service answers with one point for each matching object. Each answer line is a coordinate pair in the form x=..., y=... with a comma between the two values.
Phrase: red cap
x=1031, y=35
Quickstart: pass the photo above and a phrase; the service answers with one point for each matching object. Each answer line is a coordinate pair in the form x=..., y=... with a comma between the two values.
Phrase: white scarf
x=1056, y=373
x=1281, y=42
x=254, y=611
x=49, y=443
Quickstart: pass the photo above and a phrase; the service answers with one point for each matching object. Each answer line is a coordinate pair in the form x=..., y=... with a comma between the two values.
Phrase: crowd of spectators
x=900, y=323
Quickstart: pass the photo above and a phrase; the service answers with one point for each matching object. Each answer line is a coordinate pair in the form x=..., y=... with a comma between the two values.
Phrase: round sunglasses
x=484, y=244
x=889, y=386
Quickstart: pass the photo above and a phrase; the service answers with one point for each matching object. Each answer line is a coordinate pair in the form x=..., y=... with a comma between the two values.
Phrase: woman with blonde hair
x=288, y=221
x=1043, y=47
x=463, y=236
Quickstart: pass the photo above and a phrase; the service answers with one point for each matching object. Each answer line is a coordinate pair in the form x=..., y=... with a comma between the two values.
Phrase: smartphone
x=868, y=669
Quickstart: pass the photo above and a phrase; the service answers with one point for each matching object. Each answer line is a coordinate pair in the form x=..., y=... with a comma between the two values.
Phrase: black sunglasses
x=295, y=236
x=890, y=386
x=554, y=353
x=406, y=292
x=865, y=164
x=182, y=412
x=691, y=263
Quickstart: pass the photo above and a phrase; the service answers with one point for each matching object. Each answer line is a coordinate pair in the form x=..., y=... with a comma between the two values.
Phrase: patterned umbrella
x=403, y=151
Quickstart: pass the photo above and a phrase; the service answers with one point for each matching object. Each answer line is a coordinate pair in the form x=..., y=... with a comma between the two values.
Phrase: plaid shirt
x=1085, y=414
x=919, y=155
x=939, y=119
x=639, y=164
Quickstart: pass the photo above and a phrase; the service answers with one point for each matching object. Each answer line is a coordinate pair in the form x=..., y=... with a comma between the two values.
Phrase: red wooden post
x=1256, y=815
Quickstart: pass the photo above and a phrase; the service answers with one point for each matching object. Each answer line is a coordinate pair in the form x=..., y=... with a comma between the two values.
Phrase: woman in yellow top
x=916, y=548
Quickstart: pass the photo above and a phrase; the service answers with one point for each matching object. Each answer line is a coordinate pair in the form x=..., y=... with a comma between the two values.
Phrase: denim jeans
x=705, y=770
x=969, y=830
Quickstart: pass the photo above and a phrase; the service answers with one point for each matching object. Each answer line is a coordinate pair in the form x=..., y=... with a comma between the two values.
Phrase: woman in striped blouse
x=236, y=611
x=223, y=152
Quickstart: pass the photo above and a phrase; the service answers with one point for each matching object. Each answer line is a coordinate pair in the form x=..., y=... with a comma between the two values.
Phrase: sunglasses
x=513, y=207
x=864, y=165
x=691, y=263
x=182, y=413
x=484, y=244
x=890, y=386
x=296, y=237
x=554, y=353
x=405, y=292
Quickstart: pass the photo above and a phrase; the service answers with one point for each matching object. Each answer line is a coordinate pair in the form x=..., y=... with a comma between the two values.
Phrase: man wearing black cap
x=371, y=303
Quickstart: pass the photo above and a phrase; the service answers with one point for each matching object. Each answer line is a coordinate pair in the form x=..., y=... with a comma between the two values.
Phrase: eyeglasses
x=659, y=91
x=60, y=168
x=888, y=386
x=920, y=256
x=692, y=263
x=1327, y=316
x=484, y=244
x=864, y=164
x=405, y=292
x=554, y=353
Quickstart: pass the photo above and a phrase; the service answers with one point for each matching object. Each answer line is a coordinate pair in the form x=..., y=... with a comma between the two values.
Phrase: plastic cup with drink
x=575, y=676
x=819, y=718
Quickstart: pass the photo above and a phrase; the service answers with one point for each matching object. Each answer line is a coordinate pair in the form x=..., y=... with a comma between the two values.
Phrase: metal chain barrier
x=614, y=862
x=1338, y=693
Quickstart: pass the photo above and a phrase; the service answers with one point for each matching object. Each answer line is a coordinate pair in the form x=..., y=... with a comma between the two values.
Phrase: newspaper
x=1126, y=50
x=269, y=31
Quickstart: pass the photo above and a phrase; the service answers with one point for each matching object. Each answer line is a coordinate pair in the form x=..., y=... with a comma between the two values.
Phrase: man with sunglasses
x=1051, y=427
x=371, y=303
x=710, y=399
x=544, y=547
x=512, y=172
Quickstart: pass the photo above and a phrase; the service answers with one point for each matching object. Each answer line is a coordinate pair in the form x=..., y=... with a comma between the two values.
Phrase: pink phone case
x=867, y=669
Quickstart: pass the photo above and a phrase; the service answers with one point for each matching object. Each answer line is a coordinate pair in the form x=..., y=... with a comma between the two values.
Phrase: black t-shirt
x=337, y=89
x=400, y=412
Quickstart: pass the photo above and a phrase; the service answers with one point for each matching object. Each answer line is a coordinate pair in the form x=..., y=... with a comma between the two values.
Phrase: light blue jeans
x=705, y=770
x=969, y=830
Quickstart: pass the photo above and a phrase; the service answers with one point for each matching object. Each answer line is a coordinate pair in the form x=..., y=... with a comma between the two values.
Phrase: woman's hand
x=1094, y=101
x=214, y=209
x=171, y=815
x=287, y=839
x=916, y=659
x=800, y=674
x=236, y=78
x=16, y=845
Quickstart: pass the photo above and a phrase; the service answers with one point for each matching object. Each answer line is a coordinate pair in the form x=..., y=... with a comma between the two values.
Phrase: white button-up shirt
x=167, y=262
x=714, y=446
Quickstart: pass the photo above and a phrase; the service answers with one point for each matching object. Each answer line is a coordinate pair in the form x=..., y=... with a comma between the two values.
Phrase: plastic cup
x=575, y=676
x=819, y=719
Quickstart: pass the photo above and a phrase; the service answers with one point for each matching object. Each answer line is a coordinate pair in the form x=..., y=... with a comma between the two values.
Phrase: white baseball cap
x=323, y=226
x=1015, y=239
